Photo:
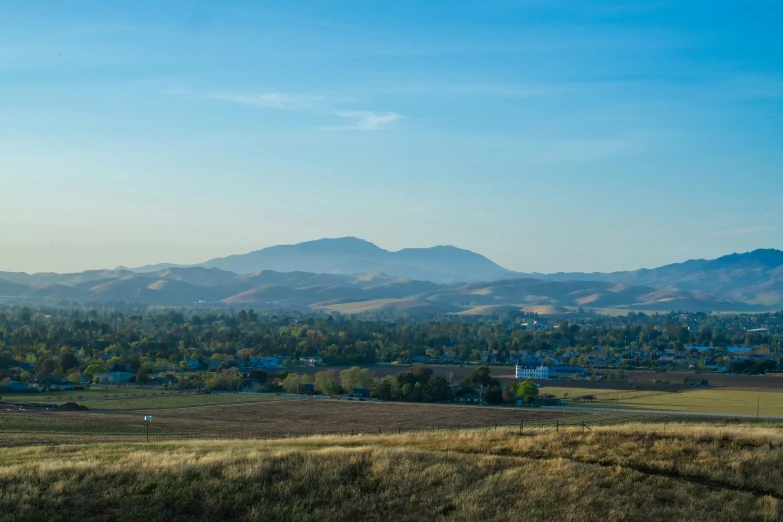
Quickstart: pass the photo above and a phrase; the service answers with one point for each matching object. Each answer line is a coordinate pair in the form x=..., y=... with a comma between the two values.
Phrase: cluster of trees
x=417, y=385
x=134, y=338
x=491, y=391
x=750, y=367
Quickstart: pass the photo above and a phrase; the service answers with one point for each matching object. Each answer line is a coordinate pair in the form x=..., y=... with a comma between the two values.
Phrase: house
x=112, y=377
x=361, y=392
x=249, y=385
x=273, y=361
x=14, y=386
x=566, y=371
x=469, y=398
x=192, y=364
x=311, y=361
x=532, y=372
x=163, y=381
x=52, y=383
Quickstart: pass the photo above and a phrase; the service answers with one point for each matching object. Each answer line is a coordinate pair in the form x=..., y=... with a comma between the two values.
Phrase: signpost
x=147, y=420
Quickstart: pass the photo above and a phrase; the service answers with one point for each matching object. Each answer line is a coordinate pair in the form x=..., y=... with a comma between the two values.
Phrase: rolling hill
x=353, y=275
x=754, y=278
x=374, y=292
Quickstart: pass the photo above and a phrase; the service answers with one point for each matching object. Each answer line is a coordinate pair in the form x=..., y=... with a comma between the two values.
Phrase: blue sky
x=570, y=135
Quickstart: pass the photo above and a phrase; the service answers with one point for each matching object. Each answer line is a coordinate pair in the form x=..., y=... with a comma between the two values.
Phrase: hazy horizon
x=200, y=261
x=577, y=136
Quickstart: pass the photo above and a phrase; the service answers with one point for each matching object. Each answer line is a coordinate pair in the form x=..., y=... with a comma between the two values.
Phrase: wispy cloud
x=364, y=120
x=462, y=89
x=272, y=100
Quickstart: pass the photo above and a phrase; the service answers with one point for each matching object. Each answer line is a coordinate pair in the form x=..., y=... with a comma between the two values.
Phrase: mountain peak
x=337, y=244
x=352, y=255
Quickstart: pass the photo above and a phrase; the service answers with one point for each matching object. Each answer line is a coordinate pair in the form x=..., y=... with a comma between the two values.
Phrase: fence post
x=557, y=426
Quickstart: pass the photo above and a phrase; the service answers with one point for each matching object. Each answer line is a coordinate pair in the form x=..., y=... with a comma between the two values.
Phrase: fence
x=282, y=416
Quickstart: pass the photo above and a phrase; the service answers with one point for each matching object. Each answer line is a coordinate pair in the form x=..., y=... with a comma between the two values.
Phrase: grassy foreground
x=634, y=472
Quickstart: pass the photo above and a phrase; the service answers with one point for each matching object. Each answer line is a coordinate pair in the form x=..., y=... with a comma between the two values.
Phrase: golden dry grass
x=635, y=472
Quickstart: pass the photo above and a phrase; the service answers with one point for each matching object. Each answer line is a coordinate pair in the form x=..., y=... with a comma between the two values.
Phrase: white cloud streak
x=272, y=100
x=364, y=120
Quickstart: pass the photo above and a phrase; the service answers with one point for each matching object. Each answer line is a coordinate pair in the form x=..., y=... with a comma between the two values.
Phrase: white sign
x=148, y=418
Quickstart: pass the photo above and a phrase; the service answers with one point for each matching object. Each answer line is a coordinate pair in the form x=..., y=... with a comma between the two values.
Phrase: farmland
x=725, y=401
x=135, y=399
x=266, y=419
x=634, y=472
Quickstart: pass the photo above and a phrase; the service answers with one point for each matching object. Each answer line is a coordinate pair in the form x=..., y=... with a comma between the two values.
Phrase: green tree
x=480, y=377
x=439, y=389
x=93, y=369
x=356, y=377
x=386, y=389
x=326, y=383
x=143, y=374
x=525, y=390
x=67, y=361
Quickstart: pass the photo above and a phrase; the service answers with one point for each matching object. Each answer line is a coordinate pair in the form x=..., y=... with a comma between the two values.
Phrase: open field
x=753, y=382
x=634, y=472
x=721, y=400
x=148, y=400
x=697, y=400
x=601, y=394
x=267, y=419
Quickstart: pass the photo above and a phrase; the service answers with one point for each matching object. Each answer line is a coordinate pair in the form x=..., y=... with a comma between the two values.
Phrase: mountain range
x=350, y=255
x=351, y=275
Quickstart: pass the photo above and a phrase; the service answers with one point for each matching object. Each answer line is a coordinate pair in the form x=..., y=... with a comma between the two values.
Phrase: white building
x=530, y=372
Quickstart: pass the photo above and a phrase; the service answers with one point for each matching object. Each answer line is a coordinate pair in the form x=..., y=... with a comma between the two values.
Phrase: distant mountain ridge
x=351, y=255
x=345, y=293
x=351, y=274
x=755, y=278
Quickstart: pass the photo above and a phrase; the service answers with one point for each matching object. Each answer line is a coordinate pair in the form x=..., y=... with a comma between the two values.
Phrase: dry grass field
x=720, y=400
x=634, y=473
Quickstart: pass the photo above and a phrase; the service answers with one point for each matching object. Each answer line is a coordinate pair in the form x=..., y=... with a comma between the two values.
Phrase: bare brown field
x=269, y=419
x=751, y=382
